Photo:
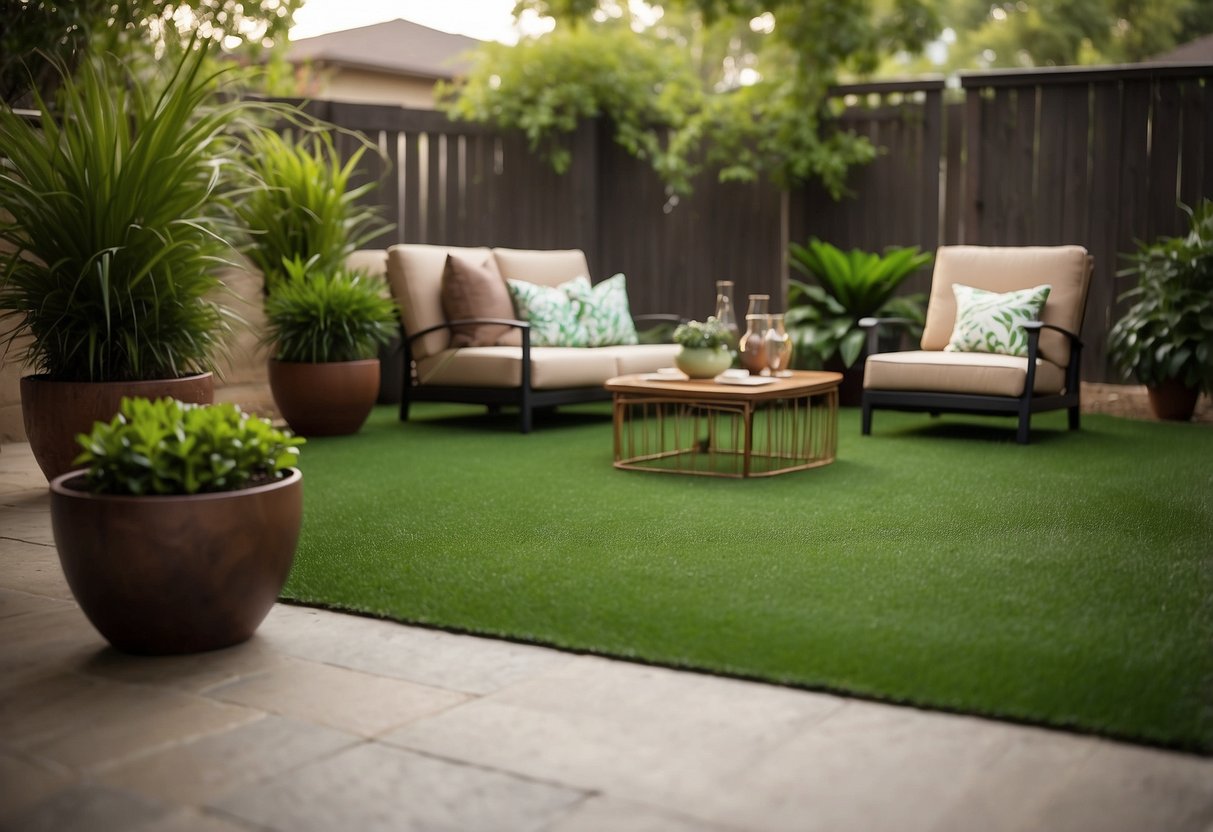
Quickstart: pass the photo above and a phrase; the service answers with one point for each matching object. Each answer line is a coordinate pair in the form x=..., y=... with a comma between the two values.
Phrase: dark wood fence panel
x=1096, y=157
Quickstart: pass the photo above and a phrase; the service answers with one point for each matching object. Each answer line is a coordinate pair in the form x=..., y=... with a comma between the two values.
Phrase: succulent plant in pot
x=179, y=533
x=324, y=328
x=704, y=349
x=114, y=214
x=1165, y=336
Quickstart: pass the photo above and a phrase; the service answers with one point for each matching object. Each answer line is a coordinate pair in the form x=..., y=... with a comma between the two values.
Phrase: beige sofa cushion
x=976, y=373
x=641, y=358
x=552, y=368
x=473, y=288
x=549, y=268
x=414, y=272
x=1065, y=268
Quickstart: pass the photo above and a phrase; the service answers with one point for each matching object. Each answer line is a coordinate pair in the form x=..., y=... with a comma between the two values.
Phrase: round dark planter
x=176, y=574
x=1173, y=400
x=56, y=411
x=331, y=399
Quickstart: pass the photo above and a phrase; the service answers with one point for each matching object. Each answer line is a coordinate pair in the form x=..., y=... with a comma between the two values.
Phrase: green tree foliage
x=1028, y=33
x=31, y=31
x=739, y=85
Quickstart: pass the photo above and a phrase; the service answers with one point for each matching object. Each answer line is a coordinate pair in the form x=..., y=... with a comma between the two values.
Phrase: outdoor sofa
x=458, y=347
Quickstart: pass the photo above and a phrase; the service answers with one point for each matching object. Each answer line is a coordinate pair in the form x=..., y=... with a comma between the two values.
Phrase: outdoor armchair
x=951, y=374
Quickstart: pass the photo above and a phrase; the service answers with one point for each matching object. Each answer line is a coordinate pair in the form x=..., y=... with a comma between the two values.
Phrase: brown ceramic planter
x=177, y=574
x=1173, y=400
x=330, y=399
x=56, y=411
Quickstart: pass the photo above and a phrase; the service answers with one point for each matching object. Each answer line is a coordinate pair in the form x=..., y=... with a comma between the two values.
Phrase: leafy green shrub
x=301, y=205
x=823, y=320
x=167, y=447
x=709, y=334
x=319, y=316
x=115, y=205
x=1167, y=332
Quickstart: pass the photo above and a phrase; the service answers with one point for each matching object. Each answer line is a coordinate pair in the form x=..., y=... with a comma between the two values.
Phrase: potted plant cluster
x=325, y=323
x=1165, y=337
x=705, y=348
x=180, y=531
x=325, y=327
x=823, y=319
x=114, y=213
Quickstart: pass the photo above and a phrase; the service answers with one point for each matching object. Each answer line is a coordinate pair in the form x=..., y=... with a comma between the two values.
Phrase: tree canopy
x=735, y=84
x=63, y=31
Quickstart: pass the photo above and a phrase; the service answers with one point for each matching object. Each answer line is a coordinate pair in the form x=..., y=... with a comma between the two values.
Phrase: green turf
x=1069, y=582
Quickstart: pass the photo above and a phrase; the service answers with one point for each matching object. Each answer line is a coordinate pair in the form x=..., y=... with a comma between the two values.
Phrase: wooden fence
x=1096, y=157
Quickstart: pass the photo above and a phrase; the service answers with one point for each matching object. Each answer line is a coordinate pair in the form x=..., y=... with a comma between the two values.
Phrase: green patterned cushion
x=993, y=322
x=553, y=313
x=605, y=312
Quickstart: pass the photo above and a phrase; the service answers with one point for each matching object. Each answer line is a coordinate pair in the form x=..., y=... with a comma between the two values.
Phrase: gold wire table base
x=708, y=429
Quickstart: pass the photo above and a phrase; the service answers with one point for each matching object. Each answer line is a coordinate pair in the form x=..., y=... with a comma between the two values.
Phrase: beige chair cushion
x=414, y=273
x=1066, y=268
x=472, y=288
x=976, y=373
x=552, y=368
x=373, y=261
x=548, y=268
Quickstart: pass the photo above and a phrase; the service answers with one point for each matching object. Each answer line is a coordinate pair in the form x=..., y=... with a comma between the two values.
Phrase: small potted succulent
x=179, y=532
x=325, y=329
x=1165, y=338
x=704, y=349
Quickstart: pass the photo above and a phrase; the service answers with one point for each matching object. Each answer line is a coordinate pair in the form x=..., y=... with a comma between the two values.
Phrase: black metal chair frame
x=1022, y=406
x=524, y=396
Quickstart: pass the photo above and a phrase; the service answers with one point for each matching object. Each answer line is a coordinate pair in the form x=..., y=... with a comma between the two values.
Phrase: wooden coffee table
x=721, y=430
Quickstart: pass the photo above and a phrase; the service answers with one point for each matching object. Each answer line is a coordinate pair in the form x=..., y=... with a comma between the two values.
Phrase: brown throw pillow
x=476, y=290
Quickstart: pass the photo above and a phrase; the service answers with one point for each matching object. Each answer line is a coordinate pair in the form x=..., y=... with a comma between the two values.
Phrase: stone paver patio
x=326, y=721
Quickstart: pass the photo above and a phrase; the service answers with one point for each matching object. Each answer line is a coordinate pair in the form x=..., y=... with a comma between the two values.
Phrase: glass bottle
x=758, y=305
x=724, y=310
x=779, y=347
x=752, y=348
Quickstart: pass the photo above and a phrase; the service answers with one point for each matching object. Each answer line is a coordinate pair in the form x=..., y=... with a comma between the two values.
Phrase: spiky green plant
x=319, y=316
x=114, y=211
x=303, y=206
x=823, y=320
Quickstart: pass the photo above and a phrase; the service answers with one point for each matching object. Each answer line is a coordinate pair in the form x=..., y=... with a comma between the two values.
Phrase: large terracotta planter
x=56, y=411
x=330, y=399
x=1173, y=400
x=176, y=574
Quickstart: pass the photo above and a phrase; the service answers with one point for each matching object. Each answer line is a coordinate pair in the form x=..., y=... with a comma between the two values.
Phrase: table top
x=800, y=383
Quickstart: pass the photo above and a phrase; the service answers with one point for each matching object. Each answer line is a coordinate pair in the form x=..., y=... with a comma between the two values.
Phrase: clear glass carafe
x=752, y=348
x=759, y=305
x=779, y=347
x=724, y=310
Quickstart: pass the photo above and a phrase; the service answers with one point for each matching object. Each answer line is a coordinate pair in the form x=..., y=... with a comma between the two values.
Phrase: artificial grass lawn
x=1069, y=582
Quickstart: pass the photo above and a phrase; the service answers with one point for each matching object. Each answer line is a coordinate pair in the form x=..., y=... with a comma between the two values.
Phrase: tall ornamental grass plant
x=115, y=210
x=303, y=207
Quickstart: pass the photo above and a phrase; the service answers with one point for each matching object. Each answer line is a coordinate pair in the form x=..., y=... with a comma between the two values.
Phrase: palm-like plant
x=302, y=206
x=114, y=206
x=823, y=320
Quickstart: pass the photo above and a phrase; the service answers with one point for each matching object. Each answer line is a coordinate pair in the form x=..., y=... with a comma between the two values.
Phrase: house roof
x=1199, y=51
x=400, y=47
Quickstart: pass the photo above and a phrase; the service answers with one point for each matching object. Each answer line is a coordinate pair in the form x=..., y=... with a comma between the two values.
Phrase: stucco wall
x=368, y=87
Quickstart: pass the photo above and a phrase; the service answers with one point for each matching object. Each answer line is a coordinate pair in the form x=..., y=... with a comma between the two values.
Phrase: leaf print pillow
x=605, y=313
x=993, y=322
x=553, y=312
